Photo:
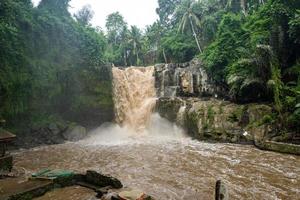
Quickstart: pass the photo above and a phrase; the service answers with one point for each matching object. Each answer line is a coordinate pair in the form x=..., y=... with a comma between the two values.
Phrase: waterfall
x=134, y=96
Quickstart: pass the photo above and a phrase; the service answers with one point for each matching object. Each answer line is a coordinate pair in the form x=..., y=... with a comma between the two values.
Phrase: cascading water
x=134, y=96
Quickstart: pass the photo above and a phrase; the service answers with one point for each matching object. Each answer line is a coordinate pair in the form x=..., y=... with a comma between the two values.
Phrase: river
x=174, y=167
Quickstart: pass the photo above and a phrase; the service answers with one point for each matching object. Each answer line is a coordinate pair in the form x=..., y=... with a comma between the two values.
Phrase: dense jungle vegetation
x=53, y=64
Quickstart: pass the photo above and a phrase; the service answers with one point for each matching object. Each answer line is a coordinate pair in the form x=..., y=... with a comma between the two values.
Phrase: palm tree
x=124, y=44
x=135, y=39
x=154, y=33
x=189, y=17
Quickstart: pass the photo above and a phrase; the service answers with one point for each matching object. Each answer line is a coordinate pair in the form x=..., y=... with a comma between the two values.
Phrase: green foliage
x=224, y=50
x=47, y=62
x=294, y=27
x=84, y=15
x=179, y=47
x=165, y=10
x=210, y=116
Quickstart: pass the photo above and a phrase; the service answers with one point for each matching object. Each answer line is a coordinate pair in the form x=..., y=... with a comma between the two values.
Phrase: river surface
x=171, y=167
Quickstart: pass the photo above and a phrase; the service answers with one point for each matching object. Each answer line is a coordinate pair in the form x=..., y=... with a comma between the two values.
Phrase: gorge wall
x=186, y=79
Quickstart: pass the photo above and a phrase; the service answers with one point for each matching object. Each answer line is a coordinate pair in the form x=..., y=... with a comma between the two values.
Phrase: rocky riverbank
x=222, y=121
x=53, y=133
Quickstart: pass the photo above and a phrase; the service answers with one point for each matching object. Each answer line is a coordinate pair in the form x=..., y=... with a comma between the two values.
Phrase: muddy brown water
x=167, y=168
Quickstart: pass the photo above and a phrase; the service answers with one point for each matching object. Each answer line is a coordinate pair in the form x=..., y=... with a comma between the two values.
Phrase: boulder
x=134, y=195
x=101, y=180
x=216, y=120
x=111, y=196
x=75, y=133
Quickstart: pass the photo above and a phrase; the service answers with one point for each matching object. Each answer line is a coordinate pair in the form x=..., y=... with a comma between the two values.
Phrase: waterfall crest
x=134, y=96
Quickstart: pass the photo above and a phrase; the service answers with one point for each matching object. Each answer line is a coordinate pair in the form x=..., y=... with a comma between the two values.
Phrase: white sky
x=135, y=12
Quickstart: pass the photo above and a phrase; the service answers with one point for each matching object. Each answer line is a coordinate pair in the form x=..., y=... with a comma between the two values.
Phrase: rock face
x=186, y=79
x=75, y=133
x=102, y=180
x=53, y=133
x=217, y=120
x=134, y=195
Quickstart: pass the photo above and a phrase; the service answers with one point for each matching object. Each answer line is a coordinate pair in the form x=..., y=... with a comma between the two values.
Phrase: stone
x=190, y=78
x=75, y=133
x=169, y=107
x=134, y=195
x=54, y=128
x=186, y=80
x=217, y=120
x=279, y=147
x=234, y=139
x=101, y=180
x=111, y=196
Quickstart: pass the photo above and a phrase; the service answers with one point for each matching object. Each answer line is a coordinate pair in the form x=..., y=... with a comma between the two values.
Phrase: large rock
x=134, y=195
x=75, y=133
x=185, y=79
x=215, y=119
x=101, y=180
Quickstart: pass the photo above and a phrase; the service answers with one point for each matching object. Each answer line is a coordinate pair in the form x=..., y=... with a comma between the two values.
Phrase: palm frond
x=182, y=24
x=234, y=78
x=251, y=81
x=195, y=19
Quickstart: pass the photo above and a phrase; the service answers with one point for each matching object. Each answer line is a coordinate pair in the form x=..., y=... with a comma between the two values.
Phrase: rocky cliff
x=187, y=96
x=185, y=79
x=216, y=120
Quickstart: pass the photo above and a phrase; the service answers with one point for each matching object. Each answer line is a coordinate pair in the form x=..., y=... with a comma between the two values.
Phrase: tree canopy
x=51, y=61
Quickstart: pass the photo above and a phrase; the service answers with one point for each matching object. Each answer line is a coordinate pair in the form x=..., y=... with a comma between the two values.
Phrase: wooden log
x=221, y=192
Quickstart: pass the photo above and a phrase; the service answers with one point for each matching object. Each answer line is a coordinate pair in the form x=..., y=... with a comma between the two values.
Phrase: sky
x=135, y=12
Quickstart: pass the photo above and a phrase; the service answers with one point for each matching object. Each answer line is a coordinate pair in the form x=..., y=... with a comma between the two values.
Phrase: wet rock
x=186, y=85
x=134, y=195
x=184, y=79
x=54, y=128
x=168, y=108
x=101, y=180
x=111, y=196
x=75, y=133
x=212, y=119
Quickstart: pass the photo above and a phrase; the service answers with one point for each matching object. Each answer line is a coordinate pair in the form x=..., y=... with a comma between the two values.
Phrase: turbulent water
x=148, y=153
x=172, y=168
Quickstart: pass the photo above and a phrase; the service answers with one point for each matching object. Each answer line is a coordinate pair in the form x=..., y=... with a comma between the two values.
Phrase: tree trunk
x=195, y=35
x=244, y=6
x=137, y=58
x=125, y=58
x=165, y=57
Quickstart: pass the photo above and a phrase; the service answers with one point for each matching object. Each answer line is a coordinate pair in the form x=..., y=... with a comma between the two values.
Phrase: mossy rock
x=191, y=120
x=168, y=108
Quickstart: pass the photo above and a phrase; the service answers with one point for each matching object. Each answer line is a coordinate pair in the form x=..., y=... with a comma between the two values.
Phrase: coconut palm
x=135, y=41
x=189, y=17
x=124, y=45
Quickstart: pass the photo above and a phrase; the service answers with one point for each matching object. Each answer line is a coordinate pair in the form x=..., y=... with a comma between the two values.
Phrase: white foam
x=158, y=130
